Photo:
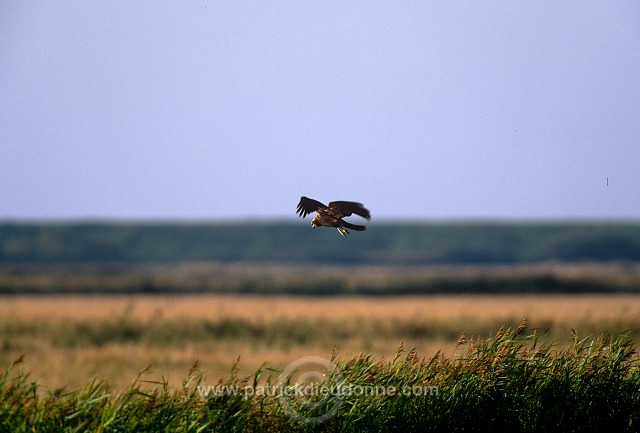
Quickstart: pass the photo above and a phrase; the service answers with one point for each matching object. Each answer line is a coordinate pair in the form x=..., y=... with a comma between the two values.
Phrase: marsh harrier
x=331, y=216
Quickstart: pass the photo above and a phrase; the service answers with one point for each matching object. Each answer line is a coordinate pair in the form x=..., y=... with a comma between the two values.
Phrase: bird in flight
x=331, y=216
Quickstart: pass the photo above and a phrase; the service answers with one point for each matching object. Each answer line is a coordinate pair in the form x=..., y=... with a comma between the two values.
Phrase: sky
x=204, y=109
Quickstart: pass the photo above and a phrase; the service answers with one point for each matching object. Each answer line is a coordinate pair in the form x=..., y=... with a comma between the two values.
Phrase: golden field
x=67, y=340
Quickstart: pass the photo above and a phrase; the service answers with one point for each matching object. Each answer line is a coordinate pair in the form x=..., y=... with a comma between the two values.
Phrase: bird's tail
x=355, y=227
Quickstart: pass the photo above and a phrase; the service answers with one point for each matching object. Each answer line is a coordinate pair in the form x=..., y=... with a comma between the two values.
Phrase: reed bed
x=509, y=381
x=67, y=341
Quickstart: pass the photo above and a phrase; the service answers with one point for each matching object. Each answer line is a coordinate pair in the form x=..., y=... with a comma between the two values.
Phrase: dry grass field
x=67, y=340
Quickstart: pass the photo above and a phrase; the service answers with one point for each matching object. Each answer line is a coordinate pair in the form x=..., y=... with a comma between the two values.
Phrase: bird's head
x=314, y=224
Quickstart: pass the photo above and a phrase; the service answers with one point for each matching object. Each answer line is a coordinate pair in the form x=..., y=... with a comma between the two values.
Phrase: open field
x=67, y=340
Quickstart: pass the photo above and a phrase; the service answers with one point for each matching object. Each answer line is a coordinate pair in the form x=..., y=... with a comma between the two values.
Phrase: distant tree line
x=382, y=243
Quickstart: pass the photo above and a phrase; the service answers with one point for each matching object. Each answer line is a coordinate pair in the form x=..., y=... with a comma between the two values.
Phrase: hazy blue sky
x=234, y=109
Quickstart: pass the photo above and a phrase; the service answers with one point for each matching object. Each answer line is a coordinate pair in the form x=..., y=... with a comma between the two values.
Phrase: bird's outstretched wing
x=346, y=208
x=308, y=205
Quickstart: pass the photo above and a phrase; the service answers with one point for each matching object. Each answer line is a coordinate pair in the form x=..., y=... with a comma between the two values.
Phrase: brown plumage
x=331, y=216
